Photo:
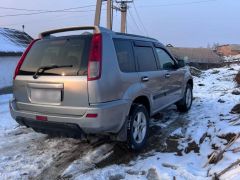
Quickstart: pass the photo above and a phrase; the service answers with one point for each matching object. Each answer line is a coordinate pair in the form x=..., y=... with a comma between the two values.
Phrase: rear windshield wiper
x=41, y=69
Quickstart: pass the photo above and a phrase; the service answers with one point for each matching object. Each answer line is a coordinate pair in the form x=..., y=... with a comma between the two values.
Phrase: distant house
x=199, y=57
x=228, y=49
x=12, y=45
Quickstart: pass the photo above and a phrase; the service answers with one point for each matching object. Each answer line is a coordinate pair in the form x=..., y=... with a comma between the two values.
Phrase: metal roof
x=13, y=41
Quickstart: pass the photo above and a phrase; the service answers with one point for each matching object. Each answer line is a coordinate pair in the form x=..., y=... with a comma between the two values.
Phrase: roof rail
x=76, y=28
x=133, y=35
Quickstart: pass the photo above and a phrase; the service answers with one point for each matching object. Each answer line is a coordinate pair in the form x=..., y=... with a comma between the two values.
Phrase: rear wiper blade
x=41, y=69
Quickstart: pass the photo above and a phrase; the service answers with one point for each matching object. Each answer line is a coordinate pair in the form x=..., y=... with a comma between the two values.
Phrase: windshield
x=73, y=50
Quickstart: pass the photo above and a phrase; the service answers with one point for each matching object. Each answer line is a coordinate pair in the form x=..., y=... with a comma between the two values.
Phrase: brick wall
x=224, y=50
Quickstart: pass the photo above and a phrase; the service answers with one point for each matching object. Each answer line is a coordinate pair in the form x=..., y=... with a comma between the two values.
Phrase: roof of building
x=13, y=41
x=235, y=47
x=199, y=55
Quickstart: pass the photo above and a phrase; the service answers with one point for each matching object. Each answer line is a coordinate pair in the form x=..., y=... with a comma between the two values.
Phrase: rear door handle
x=167, y=75
x=145, y=78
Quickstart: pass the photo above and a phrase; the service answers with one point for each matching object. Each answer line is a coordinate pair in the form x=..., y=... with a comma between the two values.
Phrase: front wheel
x=138, y=127
x=185, y=104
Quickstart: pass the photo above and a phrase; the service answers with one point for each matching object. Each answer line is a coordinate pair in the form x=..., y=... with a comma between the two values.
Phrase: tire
x=185, y=104
x=138, y=127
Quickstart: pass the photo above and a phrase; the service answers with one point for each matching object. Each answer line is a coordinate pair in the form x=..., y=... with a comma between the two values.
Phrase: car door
x=152, y=80
x=174, y=76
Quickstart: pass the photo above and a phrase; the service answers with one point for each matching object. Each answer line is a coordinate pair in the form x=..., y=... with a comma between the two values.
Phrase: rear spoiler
x=96, y=30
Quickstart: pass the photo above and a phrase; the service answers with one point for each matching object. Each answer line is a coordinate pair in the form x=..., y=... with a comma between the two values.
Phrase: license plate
x=45, y=96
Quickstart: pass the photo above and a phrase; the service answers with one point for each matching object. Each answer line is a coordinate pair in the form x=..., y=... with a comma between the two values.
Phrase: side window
x=146, y=58
x=166, y=61
x=125, y=55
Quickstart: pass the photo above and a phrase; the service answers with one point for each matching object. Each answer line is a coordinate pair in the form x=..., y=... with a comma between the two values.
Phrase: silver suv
x=102, y=82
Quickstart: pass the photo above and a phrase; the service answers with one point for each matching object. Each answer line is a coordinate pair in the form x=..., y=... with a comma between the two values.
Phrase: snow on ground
x=209, y=115
x=232, y=58
x=7, y=69
x=26, y=154
x=6, y=122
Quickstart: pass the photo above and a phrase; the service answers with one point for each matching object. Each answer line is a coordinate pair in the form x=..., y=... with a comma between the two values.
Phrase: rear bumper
x=110, y=117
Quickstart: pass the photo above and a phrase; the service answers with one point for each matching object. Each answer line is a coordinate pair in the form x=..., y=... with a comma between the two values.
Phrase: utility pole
x=109, y=14
x=23, y=27
x=123, y=17
x=123, y=8
x=98, y=13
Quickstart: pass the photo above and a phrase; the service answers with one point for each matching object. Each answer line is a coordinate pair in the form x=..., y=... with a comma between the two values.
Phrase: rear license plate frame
x=46, y=96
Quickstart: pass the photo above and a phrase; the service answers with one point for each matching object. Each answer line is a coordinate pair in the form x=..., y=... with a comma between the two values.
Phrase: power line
x=42, y=12
x=134, y=21
x=129, y=26
x=140, y=20
x=38, y=11
x=20, y=9
x=56, y=18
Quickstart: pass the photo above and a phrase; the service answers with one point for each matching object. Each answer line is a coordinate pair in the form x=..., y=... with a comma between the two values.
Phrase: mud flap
x=122, y=135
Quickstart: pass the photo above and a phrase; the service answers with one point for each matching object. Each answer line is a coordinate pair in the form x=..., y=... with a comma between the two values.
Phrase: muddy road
x=39, y=156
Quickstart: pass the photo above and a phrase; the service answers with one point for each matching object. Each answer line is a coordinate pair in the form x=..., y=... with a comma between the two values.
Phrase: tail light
x=95, y=58
x=20, y=62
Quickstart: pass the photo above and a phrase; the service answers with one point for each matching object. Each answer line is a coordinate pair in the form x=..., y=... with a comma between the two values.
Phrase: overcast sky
x=185, y=23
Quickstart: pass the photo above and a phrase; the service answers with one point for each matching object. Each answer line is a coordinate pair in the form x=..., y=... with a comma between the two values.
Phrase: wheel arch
x=190, y=81
x=144, y=101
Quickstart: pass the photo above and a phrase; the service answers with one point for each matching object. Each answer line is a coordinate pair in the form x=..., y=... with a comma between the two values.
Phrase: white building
x=12, y=45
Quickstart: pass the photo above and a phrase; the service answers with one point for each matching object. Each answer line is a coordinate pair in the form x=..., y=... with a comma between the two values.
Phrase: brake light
x=20, y=62
x=95, y=58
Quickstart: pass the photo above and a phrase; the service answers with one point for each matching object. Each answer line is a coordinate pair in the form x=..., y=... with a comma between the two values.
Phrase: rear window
x=125, y=55
x=62, y=51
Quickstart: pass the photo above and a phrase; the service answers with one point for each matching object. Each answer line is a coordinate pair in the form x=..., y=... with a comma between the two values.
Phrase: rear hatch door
x=59, y=90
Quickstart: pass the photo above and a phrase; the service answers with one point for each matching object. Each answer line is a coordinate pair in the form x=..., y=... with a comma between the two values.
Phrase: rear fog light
x=41, y=118
x=91, y=115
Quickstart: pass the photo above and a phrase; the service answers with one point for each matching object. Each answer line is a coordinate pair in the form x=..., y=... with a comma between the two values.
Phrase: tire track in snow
x=64, y=159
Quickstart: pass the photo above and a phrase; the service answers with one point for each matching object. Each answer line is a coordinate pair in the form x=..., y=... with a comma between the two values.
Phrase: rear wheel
x=138, y=127
x=185, y=104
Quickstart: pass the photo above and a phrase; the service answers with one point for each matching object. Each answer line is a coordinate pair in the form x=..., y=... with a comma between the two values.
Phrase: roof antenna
x=23, y=27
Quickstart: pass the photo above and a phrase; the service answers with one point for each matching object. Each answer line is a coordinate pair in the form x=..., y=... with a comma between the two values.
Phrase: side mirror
x=181, y=63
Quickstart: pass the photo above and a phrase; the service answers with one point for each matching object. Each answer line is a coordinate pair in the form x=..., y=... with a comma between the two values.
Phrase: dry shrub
x=237, y=78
